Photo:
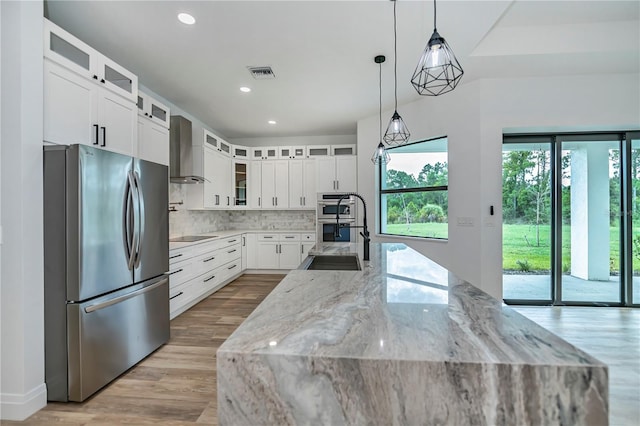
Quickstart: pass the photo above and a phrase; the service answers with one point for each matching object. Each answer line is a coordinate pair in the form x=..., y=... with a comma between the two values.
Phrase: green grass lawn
x=431, y=230
x=520, y=244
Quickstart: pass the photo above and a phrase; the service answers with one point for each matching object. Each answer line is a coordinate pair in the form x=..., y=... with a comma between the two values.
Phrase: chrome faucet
x=365, y=234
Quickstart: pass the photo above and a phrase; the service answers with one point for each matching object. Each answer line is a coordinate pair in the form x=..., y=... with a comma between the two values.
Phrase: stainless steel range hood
x=180, y=161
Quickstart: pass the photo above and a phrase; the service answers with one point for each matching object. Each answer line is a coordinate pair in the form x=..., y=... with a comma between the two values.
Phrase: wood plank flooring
x=612, y=335
x=176, y=385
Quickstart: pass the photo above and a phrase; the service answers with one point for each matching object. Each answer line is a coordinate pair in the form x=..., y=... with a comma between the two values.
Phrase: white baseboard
x=20, y=407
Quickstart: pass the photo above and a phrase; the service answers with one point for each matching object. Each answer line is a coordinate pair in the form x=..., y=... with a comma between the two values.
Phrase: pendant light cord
x=434, y=15
x=380, y=100
x=395, y=56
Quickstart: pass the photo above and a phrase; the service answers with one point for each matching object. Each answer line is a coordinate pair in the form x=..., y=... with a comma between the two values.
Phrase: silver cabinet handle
x=338, y=185
x=177, y=255
x=124, y=297
x=209, y=259
x=273, y=201
x=209, y=279
x=258, y=201
x=232, y=266
x=288, y=237
x=304, y=201
x=175, y=272
x=300, y=200
x=231, y=241
x=231, y=251
x=268, y=237
x=276, y=201
x=177, y=295
x=228, y=200
x=244, y=241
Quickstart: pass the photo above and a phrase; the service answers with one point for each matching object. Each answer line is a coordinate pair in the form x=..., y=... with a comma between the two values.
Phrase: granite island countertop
x=402, y=341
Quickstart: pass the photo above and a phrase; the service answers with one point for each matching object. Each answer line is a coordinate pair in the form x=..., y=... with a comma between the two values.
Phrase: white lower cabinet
x=278, y=251
x=198, y=270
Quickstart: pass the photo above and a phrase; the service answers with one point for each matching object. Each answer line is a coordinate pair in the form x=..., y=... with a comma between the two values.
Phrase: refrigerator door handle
x=139, y=219
x=98, y=306
x=129, y=223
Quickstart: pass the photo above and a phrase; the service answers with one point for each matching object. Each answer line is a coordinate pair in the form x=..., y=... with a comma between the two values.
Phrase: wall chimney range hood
x=180, y=162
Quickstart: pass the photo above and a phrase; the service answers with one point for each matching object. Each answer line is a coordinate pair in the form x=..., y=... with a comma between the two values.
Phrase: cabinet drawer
x=268, y=237
x=308, y=237
x=179, y=255
x=230, y=269
x=180, y=272
x=180, y=296
x=230, y=253
x=289, y=237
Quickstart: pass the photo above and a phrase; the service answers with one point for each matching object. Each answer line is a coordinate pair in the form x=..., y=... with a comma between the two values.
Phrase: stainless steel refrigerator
x=106, y=255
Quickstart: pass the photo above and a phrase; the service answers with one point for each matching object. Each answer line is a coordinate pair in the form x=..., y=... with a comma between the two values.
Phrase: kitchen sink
x=332, y=263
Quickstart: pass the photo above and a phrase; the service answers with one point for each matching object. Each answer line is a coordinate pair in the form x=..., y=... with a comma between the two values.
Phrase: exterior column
x=590, y=249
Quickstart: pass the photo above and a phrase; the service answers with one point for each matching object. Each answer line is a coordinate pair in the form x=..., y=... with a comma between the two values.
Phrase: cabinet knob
x=95, y=77
x=102, y=80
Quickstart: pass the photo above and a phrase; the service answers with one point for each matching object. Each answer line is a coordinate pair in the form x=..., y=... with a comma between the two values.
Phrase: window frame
x=382, y=192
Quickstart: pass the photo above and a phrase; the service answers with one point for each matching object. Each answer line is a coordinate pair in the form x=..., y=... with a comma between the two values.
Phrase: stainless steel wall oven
x=327, y=208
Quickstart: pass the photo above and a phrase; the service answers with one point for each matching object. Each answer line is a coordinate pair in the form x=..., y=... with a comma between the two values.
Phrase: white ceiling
x=322, y=51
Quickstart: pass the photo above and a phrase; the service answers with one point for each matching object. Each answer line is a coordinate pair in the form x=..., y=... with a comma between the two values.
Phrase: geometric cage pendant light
x=397, y=132
x=380, y=155
x=438, y=70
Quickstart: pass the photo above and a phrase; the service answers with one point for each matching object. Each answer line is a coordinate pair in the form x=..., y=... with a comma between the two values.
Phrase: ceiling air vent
x=261, y=73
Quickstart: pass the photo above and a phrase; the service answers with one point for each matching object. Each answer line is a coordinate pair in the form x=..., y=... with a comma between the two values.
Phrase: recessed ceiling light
x=185, y=18
x=272, y=121
x=245, y=89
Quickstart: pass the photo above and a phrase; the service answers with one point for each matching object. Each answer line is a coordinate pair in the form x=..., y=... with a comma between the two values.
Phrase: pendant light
x=380, y=156
x=438, y=70
x=397, y=132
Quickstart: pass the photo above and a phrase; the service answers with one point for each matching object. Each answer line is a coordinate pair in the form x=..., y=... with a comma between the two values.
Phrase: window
x=413, y=190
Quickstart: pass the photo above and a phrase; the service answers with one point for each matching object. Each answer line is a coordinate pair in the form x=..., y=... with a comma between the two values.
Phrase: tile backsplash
x=193, y=222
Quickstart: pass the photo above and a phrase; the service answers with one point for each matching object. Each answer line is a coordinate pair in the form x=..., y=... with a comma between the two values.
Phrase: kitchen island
x=403, y=341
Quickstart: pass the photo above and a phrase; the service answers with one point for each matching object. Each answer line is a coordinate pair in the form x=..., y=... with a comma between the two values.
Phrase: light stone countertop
x=374, y=345
x=217, y=235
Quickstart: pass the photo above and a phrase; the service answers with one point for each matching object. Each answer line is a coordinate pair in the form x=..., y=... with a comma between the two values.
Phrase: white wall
x=474, y=117
x=22, y=388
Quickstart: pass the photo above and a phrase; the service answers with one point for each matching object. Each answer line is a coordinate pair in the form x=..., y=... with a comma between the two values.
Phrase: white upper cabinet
x=265, y=153
x=349, y=149
x=88, y=99
x=336, y=174
x=302, y=184
x=240, y=152
x=216, y=142
x=153, y=130
x=318, y=151
x=79, y=111
x=70, y=114
x=292, y=152
x=67, y=50
x=153, y=109
x=275, y=184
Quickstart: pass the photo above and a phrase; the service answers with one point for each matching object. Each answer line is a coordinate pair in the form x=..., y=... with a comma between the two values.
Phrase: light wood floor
x=612, y=335
x=177, y=384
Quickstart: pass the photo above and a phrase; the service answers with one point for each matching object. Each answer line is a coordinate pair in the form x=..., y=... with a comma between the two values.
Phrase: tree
x=540, y=185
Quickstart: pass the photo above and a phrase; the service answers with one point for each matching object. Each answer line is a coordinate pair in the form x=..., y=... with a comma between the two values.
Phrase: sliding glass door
x=571, y=219
x=590, y=221
x=526, y=212
x=633, y=225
